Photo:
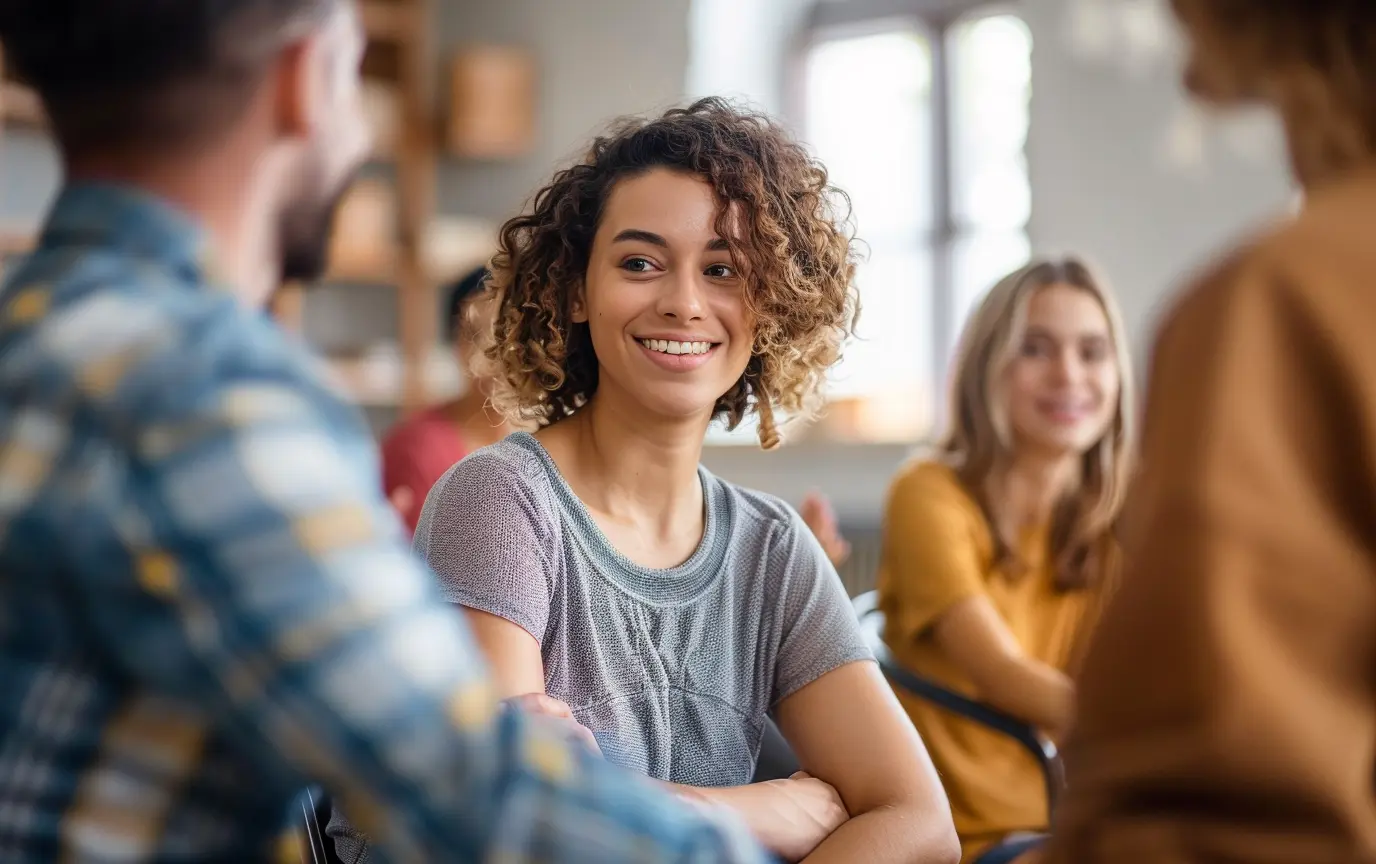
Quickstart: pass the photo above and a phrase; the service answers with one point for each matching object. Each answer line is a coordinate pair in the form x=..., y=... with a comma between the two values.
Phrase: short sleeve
x=931, y=557
x=487, y=531
x=820, y=631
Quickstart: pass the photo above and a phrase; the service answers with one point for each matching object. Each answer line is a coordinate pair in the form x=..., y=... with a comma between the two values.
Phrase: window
x=922, y=120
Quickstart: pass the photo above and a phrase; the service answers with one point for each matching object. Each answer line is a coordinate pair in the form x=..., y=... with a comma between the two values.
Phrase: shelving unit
x=399, y=59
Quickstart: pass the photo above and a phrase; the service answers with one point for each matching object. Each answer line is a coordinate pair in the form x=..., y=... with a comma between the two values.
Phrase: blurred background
x=967, y=134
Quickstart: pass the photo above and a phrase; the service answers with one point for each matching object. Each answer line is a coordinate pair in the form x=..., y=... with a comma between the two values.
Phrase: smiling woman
x=690, y=267
x=998, y=554
x=800, y=305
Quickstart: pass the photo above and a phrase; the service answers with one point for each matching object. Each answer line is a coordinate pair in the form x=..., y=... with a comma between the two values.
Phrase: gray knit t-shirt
x=672, y=670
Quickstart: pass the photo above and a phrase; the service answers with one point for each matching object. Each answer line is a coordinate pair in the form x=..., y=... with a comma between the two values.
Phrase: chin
x=1058, y=444
x=671, y=406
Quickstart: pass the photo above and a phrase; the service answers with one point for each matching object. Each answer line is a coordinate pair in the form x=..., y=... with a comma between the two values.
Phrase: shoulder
x=933, y=487
x=137, y=347
x=512, y=470
x=1304, y=278
x=494, y=507
x=420, y=449
x=753, y=508
x=427, y=426
x=765, y=522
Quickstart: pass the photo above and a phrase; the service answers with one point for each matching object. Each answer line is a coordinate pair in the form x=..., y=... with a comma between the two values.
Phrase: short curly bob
x=1313, y=60
x=793, y=242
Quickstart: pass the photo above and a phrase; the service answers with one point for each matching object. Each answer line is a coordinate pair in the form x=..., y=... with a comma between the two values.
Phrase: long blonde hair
x=980, y=441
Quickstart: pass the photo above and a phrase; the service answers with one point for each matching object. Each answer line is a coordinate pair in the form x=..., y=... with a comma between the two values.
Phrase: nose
x=1068, y=368
x=681, y=297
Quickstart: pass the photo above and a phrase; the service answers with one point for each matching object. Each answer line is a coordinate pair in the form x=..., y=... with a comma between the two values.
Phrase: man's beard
x=304, y=234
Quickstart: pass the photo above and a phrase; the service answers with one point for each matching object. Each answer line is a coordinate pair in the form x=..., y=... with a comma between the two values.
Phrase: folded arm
x=790, y=817
x=975, y=638
x=848, y=729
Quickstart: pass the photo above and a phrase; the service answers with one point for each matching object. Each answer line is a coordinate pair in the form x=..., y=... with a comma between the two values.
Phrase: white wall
x=598, y=59
x=740, y=49
x=1102, y=186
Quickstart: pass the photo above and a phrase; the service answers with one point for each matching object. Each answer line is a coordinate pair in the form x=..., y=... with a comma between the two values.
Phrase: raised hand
x=817, y=512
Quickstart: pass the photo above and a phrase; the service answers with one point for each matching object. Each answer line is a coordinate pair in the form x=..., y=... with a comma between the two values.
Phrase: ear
x=294, y=88
x=578, y=305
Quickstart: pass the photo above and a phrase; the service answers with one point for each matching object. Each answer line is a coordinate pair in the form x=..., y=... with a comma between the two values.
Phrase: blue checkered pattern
x=205, y=603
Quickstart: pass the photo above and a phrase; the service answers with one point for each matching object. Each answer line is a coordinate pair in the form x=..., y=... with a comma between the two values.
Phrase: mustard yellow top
x=939, y=550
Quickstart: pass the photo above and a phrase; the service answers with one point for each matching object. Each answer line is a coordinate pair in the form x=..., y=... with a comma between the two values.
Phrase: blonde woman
x=998, y=552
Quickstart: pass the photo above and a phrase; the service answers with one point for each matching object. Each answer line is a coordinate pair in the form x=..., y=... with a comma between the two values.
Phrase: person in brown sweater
x=1228, y=703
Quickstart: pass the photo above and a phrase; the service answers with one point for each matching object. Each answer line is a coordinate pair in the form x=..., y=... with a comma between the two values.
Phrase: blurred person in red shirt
x=420, y=449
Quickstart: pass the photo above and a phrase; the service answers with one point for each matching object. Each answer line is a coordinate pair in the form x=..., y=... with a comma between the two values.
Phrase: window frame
x=830, y=20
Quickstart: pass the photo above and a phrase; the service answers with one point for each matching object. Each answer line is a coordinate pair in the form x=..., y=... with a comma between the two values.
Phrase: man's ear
x=578, y=306
x=295, y=88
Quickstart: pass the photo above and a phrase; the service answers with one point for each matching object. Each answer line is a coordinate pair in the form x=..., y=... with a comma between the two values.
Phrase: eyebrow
x=1035, y=332
x=636, y=235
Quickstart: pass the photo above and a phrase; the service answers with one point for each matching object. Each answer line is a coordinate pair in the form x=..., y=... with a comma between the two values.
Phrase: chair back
x=1042, y=749
x=317, y=848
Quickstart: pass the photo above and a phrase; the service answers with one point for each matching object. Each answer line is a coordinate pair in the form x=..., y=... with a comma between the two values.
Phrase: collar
x=130, y=221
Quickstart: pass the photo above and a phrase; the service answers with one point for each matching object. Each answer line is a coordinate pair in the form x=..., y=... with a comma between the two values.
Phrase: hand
x=548, y=706
x=821, y=518
x=793, y=816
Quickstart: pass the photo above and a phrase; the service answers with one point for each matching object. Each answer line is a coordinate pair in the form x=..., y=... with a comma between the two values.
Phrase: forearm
x=747, y=802
x=1032, y=691
x=898, y=833
x=762, y=807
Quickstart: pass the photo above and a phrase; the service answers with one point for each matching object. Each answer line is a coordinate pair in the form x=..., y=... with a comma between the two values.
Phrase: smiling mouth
x=1067, y=411
x=668, y=346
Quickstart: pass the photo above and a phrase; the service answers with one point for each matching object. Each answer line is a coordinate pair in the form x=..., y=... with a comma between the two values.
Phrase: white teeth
x=666, y=346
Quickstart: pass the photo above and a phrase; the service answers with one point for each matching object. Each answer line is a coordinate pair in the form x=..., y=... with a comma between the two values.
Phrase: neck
x=637, y=467
x=219, y=196
x=1029, y=487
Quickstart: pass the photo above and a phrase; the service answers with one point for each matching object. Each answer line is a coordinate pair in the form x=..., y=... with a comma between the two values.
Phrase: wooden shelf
x=379, y=382
x=401, y=60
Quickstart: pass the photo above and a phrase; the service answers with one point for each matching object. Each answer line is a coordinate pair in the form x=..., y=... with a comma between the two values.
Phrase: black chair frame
x=1042, y=749
x=315, y=814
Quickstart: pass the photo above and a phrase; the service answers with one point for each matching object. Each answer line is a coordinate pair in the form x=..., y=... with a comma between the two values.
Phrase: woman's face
x=1062, y=386
x=663, y=301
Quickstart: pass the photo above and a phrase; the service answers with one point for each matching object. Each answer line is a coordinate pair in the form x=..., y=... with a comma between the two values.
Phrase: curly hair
x=792, y=240
x=1313, y=60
